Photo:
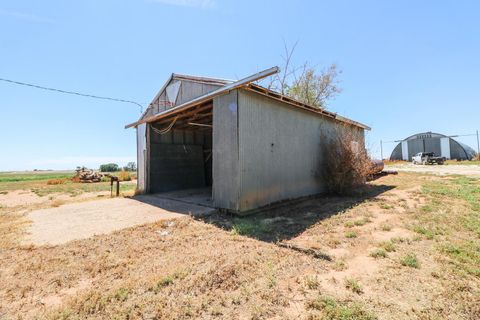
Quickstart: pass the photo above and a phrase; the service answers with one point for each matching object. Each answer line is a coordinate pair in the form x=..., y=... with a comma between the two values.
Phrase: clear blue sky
x=408, y=66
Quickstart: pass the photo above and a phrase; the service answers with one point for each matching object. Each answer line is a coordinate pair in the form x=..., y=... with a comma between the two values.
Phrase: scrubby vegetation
x=346, y=163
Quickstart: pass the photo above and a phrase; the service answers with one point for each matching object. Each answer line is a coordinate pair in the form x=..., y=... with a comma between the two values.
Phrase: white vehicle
x=427, y=158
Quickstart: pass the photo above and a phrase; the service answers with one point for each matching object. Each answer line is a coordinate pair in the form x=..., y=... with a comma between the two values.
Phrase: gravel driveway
x=85, y=219
x=469, y=170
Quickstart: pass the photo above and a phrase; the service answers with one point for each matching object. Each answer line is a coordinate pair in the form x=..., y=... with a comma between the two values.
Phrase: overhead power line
x=72, y=92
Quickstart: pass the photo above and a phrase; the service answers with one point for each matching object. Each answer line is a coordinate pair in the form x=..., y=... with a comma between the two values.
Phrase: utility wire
x=72, y=92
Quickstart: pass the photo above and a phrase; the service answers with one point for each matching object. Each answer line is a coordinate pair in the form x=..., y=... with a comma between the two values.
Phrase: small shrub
x=311, y=282
x=349, y=224
x=340, y=265
x=124, y=176
x=346, y=162
x=386, y=206
x=351, y=234
x=362, y=221
x=56, y=181
x=378, y=253
x=388, y=246
x=121, y=294
x=386, y=227
x=410, y=260
x=353, y=285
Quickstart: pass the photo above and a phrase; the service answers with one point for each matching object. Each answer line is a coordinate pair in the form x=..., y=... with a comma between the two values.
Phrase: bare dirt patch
x=85, y=219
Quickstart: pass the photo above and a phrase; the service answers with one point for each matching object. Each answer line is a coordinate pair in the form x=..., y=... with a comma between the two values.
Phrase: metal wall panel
x=225, y=151
x=445, y=147
x=141, y=154
x=190, y=90
x=433, y=145
x=414, y=147
x=187, y=90
x=405, y=154
x=280, y=150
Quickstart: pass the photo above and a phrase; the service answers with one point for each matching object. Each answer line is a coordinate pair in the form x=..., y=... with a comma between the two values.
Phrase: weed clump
x=56, y=181
x=410, y=260
x=378, y=253
x=336, y=310
x=353, y=285
x=351, y=234
x=124, y=176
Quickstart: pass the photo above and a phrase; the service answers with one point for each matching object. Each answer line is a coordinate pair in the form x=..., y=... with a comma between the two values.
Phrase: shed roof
x=228, y=85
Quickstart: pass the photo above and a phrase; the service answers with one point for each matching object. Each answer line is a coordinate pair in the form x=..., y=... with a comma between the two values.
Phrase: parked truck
x=427, y=158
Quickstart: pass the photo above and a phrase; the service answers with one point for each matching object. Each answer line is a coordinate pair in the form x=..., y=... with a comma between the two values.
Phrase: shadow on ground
x=290, y=220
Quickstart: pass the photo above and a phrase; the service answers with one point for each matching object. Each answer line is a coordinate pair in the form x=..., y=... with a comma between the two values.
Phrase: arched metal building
x=439, y=144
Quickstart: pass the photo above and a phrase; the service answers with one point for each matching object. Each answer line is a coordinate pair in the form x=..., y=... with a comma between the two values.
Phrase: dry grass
x=225, y=267
x=124, y=176
x=57, y=181
x=11, y=228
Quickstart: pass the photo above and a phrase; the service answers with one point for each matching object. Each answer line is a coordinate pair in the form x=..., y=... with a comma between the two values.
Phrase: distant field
x=36, y=181
x=34, y=175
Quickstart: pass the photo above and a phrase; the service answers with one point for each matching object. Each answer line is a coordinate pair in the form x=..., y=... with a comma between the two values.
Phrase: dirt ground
x=471, y=170
x=405, y=247
x=85, y=219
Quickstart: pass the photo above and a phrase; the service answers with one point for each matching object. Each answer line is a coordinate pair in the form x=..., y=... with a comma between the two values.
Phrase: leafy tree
x=131, y=166
x=306, y=83
x=315, y=88
x=109, y=167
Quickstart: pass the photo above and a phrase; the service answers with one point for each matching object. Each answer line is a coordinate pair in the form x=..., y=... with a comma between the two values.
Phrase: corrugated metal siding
x=141, y=148
x=280, y=151
x=189, y=90
x=225, y=151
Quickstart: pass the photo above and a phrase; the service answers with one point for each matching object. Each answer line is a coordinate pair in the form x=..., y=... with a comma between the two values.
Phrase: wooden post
x=118, y=187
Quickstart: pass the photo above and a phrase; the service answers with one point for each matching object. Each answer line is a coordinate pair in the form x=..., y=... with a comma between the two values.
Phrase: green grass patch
x=351, y=234
x=410, y=260
x=429, y=233
x=465, y=256
x=250, y=227
x=332, y=309
x=34, y=176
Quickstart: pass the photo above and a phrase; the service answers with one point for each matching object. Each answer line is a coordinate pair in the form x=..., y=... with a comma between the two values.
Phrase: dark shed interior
x=181, y=152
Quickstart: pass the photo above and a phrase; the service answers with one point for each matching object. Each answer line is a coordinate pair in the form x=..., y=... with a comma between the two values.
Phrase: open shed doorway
x=180, y=156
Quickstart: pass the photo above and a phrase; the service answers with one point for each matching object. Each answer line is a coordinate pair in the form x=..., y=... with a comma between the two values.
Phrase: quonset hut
x=437, y=143
x=240, y=144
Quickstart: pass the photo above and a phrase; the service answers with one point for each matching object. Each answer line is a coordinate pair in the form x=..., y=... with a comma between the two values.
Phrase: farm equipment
x=85, y=175
x=427, y=158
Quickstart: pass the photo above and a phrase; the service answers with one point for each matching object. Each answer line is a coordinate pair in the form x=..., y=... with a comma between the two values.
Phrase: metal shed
x=437, y=143
x=246, y=145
